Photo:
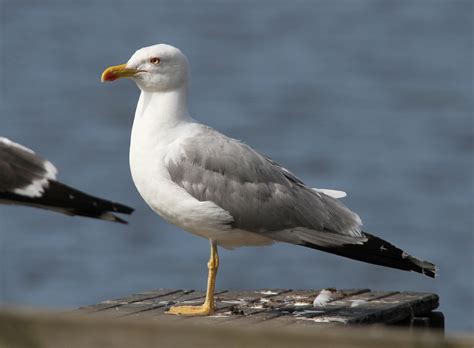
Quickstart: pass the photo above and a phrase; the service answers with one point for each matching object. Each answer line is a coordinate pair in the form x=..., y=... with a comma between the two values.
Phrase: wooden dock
x=283, y=308
x=261, y=318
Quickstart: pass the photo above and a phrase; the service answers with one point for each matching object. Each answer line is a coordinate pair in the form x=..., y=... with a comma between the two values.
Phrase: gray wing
x=261, y=196
x=20, y=166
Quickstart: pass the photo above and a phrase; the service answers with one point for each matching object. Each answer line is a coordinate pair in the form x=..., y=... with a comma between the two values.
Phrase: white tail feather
x=331, y=193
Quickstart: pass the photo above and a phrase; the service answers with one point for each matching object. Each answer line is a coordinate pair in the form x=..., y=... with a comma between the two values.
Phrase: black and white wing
x=28, y=179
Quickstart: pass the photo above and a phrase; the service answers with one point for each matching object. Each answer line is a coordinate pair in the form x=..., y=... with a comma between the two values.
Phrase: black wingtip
x=67, y=200
x=377, y=251
x=424, y=267
x=122, y=209
x=430, y=273
x=381, y=252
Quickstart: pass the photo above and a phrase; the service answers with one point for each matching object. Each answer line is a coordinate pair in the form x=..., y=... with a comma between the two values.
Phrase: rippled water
x=374, y=98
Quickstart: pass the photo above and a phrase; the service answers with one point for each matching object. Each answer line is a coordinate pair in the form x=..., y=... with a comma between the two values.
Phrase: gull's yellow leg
x=208, y=307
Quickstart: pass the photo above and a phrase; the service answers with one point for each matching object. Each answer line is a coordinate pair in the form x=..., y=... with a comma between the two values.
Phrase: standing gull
x=28, y=179
x=223, y=190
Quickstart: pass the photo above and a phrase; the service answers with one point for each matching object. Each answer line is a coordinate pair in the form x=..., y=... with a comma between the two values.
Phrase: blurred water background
x=372, y=97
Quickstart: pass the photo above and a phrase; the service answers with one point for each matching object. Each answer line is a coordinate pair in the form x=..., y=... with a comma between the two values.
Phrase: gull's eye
x=155, y=60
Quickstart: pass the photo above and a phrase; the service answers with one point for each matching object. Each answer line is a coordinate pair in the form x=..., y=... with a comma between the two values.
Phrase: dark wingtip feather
x=427, y=268
x=67, y=200
x=120, y=208
x=380, y=252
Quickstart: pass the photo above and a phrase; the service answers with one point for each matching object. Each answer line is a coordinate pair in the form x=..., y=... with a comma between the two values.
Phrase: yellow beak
x=115, y=72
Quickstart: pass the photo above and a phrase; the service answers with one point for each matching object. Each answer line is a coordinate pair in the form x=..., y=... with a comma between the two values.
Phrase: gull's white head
x=158, y=68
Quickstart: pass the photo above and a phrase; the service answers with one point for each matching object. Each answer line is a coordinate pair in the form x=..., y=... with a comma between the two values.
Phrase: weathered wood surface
x=280, y=308
x=27, y=329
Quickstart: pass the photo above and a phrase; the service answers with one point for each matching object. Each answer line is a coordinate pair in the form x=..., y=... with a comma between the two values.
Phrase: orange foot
x=203, y=310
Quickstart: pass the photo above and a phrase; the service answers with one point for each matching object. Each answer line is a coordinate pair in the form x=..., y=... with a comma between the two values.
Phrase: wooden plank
x=148, y=295
x=298, y=304
x=376, y=307
x=327, y=315
x=230, y=306
x=156, y=303
x=189, y=298
x=260, y=309
x=302, y=301
x=274, y=308
x=394, y=308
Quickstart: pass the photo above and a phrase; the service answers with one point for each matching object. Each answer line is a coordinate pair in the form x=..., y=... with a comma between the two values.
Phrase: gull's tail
x=64, y=199
x=379, y=252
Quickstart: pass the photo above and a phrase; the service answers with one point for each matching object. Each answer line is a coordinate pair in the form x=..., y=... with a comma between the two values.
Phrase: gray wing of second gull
x=19, y=166
x=261, y=196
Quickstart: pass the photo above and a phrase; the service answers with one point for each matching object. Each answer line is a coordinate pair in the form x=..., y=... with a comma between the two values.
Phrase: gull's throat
x=158, y=117
x=164, y=108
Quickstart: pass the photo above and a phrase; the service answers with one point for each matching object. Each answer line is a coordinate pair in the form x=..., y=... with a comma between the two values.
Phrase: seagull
x=28, y=179
x=221, y=189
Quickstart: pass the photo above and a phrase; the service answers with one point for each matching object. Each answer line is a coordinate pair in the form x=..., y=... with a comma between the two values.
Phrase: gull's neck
x=157, y=124
x=163, y=110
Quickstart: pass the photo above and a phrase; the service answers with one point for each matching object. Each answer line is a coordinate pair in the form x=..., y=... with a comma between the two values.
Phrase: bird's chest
x=148, y=157
x=147, y=168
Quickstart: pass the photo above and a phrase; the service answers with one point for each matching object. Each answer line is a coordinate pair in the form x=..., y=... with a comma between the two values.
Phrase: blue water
x=372, y=97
